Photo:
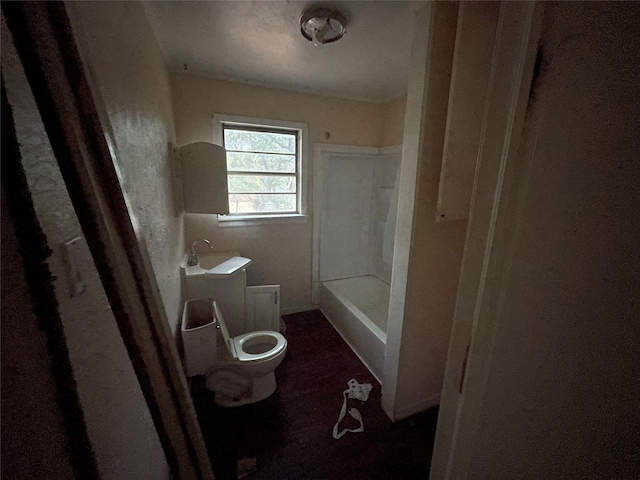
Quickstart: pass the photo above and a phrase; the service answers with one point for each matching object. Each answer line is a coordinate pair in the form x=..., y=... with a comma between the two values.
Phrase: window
x=263, y=167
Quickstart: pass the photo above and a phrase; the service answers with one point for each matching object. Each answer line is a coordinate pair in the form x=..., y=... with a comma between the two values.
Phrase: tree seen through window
x=262, y=169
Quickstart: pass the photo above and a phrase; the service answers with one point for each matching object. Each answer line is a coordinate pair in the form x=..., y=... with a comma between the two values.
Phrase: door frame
x=499, y=189
x=44, y=41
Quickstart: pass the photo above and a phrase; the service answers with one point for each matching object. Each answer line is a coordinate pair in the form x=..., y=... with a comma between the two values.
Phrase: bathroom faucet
x=193, y=258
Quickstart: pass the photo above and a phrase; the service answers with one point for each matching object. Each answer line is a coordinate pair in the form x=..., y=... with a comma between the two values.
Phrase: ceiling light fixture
x=322, y=25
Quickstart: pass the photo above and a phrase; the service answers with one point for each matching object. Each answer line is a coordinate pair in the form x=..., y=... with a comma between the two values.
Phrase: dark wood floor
x=290, y=433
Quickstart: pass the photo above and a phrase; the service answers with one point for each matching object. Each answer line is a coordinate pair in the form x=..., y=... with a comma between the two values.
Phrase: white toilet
x=241, y=371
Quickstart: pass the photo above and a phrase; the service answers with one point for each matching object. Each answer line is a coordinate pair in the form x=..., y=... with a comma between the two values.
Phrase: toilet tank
x=199, y=335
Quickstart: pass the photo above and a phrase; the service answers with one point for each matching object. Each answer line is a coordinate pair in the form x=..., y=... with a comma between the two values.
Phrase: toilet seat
x=239, y=377
x=246, y=340
x=237, y=345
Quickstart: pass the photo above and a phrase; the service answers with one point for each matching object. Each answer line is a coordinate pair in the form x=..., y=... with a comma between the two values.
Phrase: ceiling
x=259, y=42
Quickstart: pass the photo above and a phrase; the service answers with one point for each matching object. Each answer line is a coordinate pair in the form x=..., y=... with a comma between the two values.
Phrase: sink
x=216, y=265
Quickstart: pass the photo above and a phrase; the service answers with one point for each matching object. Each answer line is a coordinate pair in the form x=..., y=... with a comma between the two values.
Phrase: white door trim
x=85, y=153
x=495, y=203
x=417, y=90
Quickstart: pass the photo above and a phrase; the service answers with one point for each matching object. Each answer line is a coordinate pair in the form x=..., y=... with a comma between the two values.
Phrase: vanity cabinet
x=262, y=308
x=245, y=309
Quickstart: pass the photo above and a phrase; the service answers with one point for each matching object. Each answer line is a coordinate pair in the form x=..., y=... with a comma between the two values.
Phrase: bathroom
x=368, y=129
x=370, y=132
x=543, y=319
x=179, y=110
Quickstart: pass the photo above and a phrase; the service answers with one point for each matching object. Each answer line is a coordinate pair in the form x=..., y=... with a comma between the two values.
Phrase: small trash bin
x=199, y=335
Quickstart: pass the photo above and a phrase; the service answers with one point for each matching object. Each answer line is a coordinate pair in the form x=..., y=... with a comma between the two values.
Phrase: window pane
x=262, y=203
x=249, y=141
x=261, y=162
x=261, y=184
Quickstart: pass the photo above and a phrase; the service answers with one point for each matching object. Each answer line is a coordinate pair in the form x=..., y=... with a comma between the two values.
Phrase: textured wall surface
x=130, y=76
x=281, y=253
x=118, y=420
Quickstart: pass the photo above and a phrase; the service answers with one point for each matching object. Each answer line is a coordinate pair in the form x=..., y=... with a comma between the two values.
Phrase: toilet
x=240, y=370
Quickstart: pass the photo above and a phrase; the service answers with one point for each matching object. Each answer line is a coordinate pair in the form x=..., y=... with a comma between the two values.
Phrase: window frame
x=220, y=122
x=296, y=153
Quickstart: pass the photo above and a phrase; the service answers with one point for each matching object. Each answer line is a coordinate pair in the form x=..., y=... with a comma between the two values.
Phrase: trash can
x=199, y=335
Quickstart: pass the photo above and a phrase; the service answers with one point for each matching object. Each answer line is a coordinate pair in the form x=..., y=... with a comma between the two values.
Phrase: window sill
x=255, y=220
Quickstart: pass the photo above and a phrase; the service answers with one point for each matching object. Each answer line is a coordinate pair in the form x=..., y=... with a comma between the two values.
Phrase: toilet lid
x=228, y=341
x=246, y=340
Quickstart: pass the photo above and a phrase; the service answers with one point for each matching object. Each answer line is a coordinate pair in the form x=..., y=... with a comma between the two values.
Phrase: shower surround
x=355, y=216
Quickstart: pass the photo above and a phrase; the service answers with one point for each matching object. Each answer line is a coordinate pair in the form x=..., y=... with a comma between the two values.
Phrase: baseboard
x=298, y=309
x=420, y=406
x=386, y=408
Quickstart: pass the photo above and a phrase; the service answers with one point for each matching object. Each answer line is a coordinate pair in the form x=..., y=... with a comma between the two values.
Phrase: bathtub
x=358, y=309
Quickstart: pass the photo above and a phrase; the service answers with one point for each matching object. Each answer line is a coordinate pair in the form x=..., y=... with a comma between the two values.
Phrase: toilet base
x=233, y=390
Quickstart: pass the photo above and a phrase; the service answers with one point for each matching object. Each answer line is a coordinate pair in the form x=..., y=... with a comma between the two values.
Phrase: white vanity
x=223, y=277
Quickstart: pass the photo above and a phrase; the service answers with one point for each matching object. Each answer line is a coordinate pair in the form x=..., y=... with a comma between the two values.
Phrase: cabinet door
x=262, y=308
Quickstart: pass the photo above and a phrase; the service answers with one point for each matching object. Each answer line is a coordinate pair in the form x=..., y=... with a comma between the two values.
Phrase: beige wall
x=562, y=395
x=132, y=83
x=281, y=253
x=435, y=253
x=118, y=421
x=393, y=121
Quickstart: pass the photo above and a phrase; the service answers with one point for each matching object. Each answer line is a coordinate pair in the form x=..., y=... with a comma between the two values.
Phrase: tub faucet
x=193, y=258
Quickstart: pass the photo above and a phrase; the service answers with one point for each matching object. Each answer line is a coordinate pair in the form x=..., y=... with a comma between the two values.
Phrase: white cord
x=358, y=391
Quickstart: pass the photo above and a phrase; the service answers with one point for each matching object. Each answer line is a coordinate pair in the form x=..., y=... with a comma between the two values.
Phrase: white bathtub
x=358, y=309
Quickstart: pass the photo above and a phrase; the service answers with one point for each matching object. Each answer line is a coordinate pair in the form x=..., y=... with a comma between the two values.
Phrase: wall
x=393, y=121
x=119, y=424
x=281, y=253
x=417, y=343
x=561, y=399
x=131, y=81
